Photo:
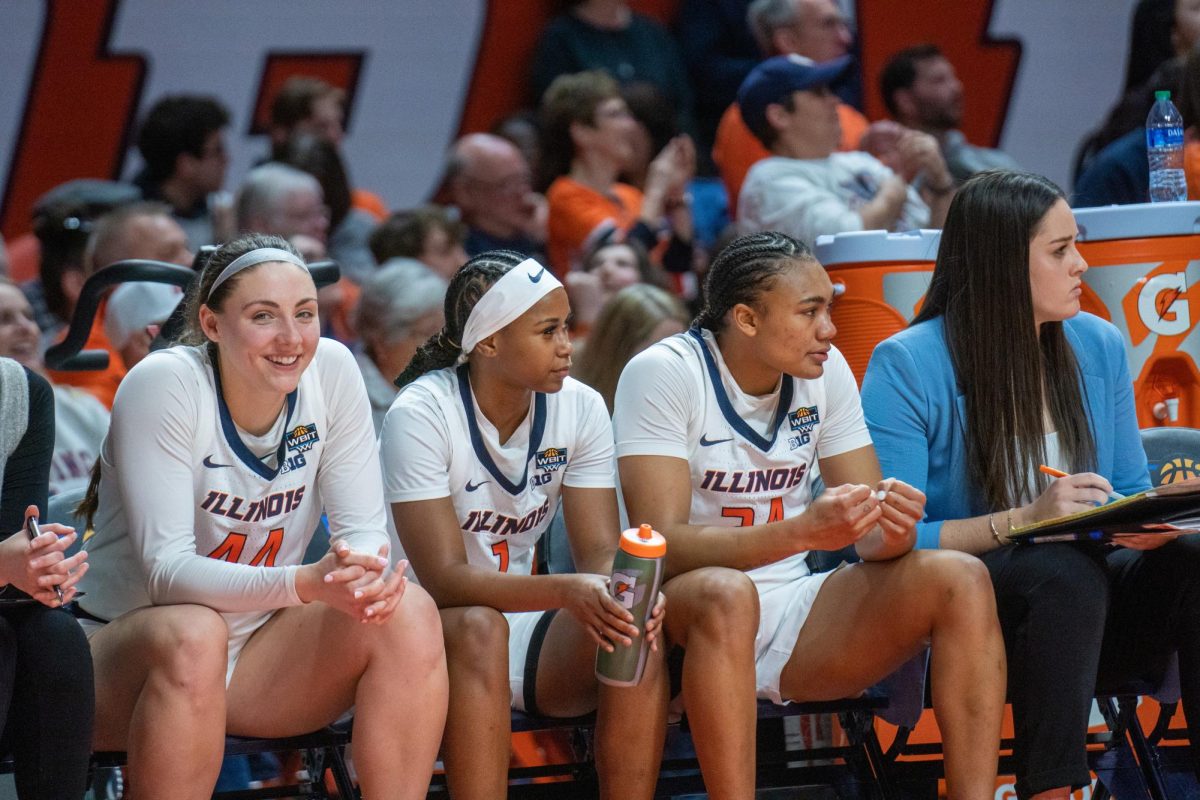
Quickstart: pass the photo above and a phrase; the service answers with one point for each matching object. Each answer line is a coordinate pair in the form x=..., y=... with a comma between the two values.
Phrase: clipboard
x=1169, y=509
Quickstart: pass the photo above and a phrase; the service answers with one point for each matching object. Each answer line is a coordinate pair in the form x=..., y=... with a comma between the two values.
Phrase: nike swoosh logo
x=473, y=486
x=706, y=442
x=208, y=462
x=536, y=278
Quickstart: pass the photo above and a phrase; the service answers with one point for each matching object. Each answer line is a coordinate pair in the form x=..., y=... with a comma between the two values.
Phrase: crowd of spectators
x=640, y=148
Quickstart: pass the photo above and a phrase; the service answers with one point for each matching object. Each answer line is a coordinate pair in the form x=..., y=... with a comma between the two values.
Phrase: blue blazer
x=917, y=417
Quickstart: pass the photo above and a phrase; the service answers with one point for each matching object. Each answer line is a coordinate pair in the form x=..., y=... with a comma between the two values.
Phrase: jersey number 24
x=745, y=514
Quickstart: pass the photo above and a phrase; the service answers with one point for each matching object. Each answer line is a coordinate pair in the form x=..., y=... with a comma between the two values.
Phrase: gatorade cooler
x=884, y=278
x=1143, y=260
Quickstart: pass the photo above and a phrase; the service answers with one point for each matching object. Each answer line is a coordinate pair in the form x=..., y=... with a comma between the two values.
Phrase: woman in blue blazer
x=1001, y=373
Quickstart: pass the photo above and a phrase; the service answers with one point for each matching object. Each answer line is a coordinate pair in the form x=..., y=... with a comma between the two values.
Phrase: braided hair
x=742, y=271
x=469, y=284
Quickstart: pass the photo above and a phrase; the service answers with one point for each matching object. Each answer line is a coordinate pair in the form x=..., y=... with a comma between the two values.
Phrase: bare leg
x=394, y=674
x=713, y=614
x=631, y=721
x=476, y=748
x=160, y=695
x=870, y=618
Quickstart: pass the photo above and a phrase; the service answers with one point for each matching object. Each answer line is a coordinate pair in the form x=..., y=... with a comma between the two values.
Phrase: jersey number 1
x=231, y=549
x=745, y=514
x=500, y=551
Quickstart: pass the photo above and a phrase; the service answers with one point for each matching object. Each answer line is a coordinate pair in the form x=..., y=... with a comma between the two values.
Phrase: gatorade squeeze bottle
x=637, y=575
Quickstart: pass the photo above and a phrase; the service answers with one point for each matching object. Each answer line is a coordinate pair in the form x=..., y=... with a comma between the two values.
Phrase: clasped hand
x=357, y=584
x=36, y=566
x=605, y=620
x=844, y=514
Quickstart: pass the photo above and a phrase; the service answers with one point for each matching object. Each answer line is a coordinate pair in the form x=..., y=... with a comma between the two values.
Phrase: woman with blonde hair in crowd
x=632, y=320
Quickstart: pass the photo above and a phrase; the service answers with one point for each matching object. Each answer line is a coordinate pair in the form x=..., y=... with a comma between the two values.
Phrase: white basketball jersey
x=259, y=512
x=435, y=443
x=757, y=470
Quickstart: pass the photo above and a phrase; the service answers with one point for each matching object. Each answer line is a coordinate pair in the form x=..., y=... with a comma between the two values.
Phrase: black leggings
x=1077, y=617
x=47, y=701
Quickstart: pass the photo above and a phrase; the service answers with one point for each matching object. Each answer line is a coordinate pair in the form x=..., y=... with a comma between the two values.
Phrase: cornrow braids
x=740, y=273
x=469, y=284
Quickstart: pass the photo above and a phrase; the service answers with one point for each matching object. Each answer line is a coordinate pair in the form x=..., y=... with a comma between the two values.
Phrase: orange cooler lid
x=644, y=542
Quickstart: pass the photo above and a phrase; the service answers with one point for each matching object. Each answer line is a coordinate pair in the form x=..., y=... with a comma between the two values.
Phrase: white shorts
x=237, y=641
x=783, y=609
x=526, y=633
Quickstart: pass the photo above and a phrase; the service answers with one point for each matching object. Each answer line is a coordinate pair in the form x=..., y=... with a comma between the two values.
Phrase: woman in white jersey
x=720, y=433
x=485, y=437
x=219, y=462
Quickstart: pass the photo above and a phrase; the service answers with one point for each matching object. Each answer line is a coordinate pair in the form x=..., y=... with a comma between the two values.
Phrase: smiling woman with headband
x=221, y=459
x=485, y=437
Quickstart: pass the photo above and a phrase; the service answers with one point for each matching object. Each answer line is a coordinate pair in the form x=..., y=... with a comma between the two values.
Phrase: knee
x=477, y=642
x=720, y=603
x=188, y=648
x=413, y=634
x=958, y=582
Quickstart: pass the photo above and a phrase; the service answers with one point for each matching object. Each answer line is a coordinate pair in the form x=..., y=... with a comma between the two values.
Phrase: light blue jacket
x=917, y=415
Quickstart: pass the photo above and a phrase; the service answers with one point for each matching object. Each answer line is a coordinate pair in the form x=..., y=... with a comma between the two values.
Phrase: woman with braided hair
x=720, y=434
x=486, y=437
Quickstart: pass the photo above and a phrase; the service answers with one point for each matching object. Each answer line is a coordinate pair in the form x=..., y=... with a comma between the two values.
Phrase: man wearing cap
x=815, y=29
x=805, y=188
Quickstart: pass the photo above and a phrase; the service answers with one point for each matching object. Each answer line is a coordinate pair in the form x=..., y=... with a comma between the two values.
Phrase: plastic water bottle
x=1164, y=143
x=636, y=577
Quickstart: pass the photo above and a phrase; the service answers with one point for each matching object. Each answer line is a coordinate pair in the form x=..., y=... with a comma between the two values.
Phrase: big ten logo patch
x=302, y=438
x=626, y=591
x=1179, y=468
x=551, y=458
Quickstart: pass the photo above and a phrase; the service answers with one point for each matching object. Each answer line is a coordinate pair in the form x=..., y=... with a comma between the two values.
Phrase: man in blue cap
x=806, y=188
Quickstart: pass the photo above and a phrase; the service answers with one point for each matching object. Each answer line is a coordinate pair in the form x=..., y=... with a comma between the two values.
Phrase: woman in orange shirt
x=587, y=141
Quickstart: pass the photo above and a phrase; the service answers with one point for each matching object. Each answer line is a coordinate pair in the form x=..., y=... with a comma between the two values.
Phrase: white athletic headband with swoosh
x=508, y=298
x=253, y=258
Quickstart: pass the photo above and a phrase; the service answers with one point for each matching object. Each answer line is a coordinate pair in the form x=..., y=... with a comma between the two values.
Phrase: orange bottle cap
x=644, y=542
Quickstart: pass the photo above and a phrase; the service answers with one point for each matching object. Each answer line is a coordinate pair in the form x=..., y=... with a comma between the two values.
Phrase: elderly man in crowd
x=142, y=230
x=492, y=185
x=805, y=188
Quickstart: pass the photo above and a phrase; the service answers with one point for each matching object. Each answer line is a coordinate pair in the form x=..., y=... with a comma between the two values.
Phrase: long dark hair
x=469, y=284
x=1006, y=369
x=193, y=334
x=742, y=272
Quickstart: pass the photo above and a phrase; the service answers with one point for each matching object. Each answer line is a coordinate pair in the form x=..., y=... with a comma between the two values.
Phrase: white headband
x=508, y=298
x=252, y=259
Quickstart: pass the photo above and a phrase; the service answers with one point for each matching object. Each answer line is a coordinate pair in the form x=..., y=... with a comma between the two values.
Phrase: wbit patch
x=551, y=458
x=804, y=419
x=302, y=438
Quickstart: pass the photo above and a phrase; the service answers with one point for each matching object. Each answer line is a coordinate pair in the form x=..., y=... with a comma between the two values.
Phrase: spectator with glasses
x=491, y=183
x=182, y=141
